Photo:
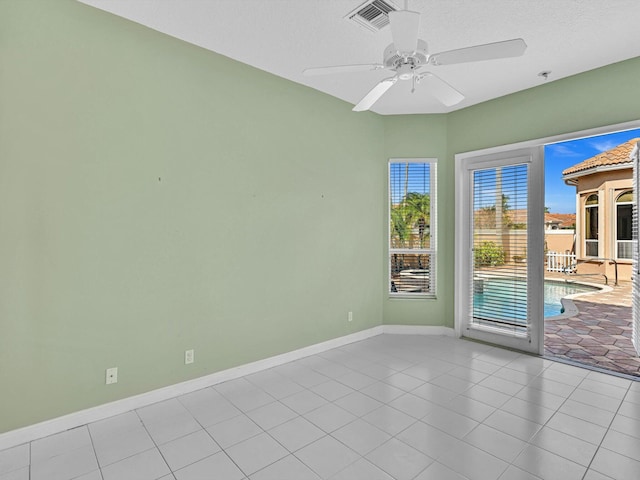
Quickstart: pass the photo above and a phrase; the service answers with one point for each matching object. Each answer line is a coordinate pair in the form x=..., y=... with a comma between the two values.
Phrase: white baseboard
x=83, y=417
x=418, y=330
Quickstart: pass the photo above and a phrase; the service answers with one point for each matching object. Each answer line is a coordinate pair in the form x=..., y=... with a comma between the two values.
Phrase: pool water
x=504, y=299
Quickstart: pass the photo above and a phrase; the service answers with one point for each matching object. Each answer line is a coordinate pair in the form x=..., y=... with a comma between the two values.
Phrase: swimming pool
x=487, y=299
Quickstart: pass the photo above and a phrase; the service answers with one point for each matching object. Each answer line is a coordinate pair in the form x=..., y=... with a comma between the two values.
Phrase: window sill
x=415, y=296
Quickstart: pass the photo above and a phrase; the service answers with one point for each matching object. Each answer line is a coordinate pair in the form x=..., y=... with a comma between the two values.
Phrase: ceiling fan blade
x=374, y=95
x=488, y=51
x=404, y=30
x=309, y=72
x=440, y=89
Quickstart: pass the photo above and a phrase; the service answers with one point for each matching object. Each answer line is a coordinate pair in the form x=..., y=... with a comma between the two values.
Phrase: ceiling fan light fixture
x=405, y=71
x=392, y=60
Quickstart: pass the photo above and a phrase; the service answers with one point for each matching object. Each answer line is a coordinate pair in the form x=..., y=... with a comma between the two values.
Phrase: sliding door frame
x=635, y=285
x=532, y=158
x=462, y=215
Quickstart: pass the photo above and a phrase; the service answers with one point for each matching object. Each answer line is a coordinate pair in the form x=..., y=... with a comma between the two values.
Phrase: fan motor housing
x=393, y=59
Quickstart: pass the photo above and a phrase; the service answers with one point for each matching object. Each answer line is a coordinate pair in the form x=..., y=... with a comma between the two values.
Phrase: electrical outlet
x=112, y=375
x=188, y=357
x=350, y=317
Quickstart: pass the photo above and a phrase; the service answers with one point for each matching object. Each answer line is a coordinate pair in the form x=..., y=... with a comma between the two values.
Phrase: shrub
x=489, y=254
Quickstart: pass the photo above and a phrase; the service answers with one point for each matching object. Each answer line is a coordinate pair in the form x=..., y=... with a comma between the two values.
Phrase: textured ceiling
x=284, y=37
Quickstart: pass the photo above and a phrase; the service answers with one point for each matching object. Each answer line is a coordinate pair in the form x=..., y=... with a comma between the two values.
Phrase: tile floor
x=390, y=407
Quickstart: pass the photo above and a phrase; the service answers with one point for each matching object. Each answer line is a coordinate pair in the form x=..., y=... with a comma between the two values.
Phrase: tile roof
x=565, y=220
x=617, y=155
x=486, y=218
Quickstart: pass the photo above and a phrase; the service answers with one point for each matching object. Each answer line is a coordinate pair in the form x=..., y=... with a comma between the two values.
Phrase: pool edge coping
x=570, y=309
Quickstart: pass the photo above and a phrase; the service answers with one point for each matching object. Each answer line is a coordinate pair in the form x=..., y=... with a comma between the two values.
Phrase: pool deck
x=600, y=334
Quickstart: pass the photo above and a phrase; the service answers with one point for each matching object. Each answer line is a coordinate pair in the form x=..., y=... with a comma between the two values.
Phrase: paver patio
x=599, y=335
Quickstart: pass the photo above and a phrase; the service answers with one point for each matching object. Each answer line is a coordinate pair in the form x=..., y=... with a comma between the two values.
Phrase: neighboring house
x=604, y=206
x=558, y=230
x=559, y=221
x=517, y=218
x=559, y=234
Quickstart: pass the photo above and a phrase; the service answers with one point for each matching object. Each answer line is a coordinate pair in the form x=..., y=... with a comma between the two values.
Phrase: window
x=624, y=224
x=412, y=227
x=591, y=226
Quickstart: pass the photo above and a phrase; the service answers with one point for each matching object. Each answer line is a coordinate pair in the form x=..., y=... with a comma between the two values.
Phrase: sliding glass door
x=500, y=251
x=635, y=286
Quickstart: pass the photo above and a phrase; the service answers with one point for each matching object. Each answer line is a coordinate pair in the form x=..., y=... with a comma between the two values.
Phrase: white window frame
x=616, y=241
x=585, y=210
x=432, y=250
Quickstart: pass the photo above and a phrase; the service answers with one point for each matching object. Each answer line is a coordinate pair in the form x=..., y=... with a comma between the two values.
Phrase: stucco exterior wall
x=608, y=185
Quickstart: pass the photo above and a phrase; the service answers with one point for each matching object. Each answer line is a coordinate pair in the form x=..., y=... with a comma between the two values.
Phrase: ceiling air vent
x=372, y=15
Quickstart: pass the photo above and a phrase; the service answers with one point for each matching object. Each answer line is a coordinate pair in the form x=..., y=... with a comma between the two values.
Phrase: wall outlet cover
x=111, y=375
x=188, y=357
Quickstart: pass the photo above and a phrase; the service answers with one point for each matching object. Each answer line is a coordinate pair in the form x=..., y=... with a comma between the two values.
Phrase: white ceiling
x=284, y=37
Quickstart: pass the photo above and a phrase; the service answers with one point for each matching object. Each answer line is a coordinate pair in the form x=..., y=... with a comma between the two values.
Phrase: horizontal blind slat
x=412, y=226
x=499, y=219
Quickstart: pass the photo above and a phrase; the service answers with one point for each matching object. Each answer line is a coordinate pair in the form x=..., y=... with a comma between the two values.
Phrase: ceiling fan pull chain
x=413, y=86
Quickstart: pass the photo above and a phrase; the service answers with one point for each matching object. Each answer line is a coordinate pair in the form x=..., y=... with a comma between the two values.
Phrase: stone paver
x=600, y=335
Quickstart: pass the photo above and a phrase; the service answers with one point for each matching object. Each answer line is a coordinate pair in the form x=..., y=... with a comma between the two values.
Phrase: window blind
x=499, y=268
x=412, y=227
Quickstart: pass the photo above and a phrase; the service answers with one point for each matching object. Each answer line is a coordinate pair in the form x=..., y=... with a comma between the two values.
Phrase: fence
x=561, y=262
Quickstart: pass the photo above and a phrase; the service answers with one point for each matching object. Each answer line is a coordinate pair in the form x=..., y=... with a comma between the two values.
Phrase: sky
x=419, y=179
x=560, y=198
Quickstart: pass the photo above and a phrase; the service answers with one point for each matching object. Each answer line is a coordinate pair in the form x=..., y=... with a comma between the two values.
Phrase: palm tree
x=413, y=212
x=400, y=233
x=419, y=213
x=400, y=228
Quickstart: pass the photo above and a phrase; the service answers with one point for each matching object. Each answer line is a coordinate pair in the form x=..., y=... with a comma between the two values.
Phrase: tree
x=400, y=234
x=488, y=215
x=412, y=213
x=400, y=228
x=418, y=207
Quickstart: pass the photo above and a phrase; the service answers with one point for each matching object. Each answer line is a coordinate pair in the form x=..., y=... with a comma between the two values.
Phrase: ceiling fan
x=408, y=57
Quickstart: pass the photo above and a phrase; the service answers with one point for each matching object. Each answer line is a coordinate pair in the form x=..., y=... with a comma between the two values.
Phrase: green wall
x=156, y=197
x=601, y=97
x=424, y=136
